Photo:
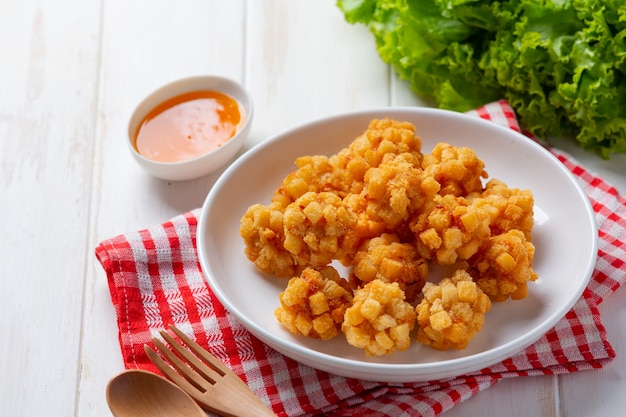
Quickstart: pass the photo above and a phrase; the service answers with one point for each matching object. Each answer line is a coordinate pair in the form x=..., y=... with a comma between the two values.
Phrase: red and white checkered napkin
x=155, y=279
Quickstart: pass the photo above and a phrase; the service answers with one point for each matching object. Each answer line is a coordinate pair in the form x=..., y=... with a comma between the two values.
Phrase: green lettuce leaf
x=560, y=63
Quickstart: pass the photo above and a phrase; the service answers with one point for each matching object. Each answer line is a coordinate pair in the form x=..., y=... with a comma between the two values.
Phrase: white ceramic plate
x=565, y=236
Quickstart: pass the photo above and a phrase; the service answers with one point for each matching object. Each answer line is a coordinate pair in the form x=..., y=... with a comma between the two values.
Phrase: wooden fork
x=211, y=383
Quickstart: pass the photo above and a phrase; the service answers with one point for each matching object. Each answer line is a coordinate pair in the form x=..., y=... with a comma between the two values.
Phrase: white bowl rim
x=151, y=100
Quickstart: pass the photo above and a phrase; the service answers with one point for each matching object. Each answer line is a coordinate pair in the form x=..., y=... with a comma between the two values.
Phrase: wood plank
x=512, y=398
x=49, y=68
x=304, y=62
x=145, y=44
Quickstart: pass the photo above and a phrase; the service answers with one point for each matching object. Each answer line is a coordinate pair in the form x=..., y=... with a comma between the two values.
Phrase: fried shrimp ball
x=388, y=260
x=503, y=266
x=314, y=303
x=390, y=214
x=508, y=208
x=396, y=189
x=262, y=230
x=349, y=169
x=383, y=137
x=319, y=228
x=365, y=227
x=451, y=312
x=449, y=229
x=457, y=169
x=313, y=173
x=318, y=173
x=379, y=321
x=391, y=193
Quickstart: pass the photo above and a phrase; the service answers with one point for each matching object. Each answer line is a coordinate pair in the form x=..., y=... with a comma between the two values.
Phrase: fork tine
x=193, y=362
x=210, y=382
x=191, y=368
x=210, y=360
x=170, y=373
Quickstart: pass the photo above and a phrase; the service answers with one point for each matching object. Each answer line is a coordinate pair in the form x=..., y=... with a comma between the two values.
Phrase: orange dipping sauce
x=189, y=125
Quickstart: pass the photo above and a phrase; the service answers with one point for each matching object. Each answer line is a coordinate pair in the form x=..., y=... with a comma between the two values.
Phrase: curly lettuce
x=560, y=63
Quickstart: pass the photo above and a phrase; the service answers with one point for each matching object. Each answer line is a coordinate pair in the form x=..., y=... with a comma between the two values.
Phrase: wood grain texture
x=47, y=115
x=71, y=72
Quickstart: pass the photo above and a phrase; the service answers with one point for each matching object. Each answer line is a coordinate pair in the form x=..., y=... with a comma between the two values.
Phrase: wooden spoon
x=138, y=393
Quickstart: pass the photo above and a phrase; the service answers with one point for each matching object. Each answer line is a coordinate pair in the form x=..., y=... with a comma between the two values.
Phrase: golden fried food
x=317, y=173
x=387, y=259
x=384, y=137
x=458, y=169
x=503, y=266
x=344, y=172
x=365, y=227
x=451, y=312
x=263, y=234
x=388, y=212
x=508, y=208
x=379, y=321
x=394, y=190
x=313, y=173
x=319, y=228
x=314, y=303
x=449, y=229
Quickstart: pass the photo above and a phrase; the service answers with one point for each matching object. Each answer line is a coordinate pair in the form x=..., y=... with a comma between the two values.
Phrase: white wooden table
x=71, y=72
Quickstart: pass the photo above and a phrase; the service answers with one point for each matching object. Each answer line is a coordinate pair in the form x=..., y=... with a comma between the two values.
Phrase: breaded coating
x=314, y=303
x=379, y=321
x=384, y=137
x=388, y=260
x=449, y=229
x=262, y=231
x=508, y=208
x=458, y=169
x=504, y=265
x=319, y=228
x=390, y=215
x=365, y=227
x=394, y=190
x=344, y=172
x=451, y=312
x=350, y=168
x=317, y=173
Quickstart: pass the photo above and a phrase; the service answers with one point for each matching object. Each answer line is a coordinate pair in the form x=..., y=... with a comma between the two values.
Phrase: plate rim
x=405, y=373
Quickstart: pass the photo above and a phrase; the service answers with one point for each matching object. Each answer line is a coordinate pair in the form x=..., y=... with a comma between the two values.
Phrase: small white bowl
x=208, y=162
